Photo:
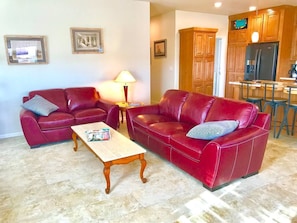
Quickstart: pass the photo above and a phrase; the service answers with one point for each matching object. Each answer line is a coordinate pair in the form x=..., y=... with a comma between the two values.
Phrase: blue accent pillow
x=40, y=106
x=212, y=130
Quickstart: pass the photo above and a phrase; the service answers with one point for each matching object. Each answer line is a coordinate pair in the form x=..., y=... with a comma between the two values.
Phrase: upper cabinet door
x=199, y=44
x=294, y=39
x=210, y=42
x=204, y=44
x=267, y=24
x=271, y=26
x=255, y=25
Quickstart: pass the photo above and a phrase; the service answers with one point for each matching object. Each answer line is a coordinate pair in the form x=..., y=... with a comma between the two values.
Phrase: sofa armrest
x=263, y=120
x=140, y=110
x=233, y=156
x=112, y=111
x=25, y=98
x=31, y=128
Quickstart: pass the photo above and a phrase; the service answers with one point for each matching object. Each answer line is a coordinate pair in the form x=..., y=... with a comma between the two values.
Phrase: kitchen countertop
x=290, y=79
x=287, y=78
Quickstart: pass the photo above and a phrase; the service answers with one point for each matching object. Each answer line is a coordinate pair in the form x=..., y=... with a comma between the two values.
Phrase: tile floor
x=55, y=184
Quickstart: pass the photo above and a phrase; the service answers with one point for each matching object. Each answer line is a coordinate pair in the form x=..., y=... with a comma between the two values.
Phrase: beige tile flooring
x=55, y=184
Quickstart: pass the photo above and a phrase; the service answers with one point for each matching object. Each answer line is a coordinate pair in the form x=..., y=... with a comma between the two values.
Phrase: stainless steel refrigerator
x=261, y=61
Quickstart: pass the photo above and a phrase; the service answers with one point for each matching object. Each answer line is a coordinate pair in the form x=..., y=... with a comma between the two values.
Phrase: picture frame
x=160, y=48
x=22, y=49
x=86, y=40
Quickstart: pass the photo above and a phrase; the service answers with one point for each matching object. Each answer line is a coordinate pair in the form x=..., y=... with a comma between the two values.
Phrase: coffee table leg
x=74, y=137
x=106, y=172
x=143, y=165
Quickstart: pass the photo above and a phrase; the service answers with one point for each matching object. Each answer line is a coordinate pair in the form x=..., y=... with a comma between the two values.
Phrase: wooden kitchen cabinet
x=294, y=39
x=196, y=63
x=235, y=65
x=236, y=57
x=271, y=26
x=277, y=26
x=255, y=25
x=237, y=36
x=267, y=23
x=274, y=25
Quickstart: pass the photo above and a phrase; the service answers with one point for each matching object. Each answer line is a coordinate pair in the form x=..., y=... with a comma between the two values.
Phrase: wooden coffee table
x=117, y=150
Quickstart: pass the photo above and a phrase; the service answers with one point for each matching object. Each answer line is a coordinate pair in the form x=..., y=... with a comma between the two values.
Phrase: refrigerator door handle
x=258, y=61
x=255, y=65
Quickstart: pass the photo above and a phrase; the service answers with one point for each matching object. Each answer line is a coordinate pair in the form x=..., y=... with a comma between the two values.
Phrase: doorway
x=217, y=67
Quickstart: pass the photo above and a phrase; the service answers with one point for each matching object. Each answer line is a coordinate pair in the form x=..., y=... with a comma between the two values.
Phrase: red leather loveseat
x=75, y=106
x=163, y=129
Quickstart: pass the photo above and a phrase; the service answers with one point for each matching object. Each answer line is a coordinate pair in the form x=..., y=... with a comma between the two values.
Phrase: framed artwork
x=86, y=40
x=25, y=49
x=160, y=48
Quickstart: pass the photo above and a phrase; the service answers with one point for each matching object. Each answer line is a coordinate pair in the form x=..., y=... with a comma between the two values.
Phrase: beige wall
x=126, y=33
x=163, y=69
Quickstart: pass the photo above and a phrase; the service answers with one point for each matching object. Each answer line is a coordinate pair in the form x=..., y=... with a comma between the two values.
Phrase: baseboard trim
x=10, y=135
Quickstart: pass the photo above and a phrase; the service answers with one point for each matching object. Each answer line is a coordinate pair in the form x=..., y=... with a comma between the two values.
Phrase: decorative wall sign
x=26, y=49
x=240, y=24
x=160, y=48
x=86, y=40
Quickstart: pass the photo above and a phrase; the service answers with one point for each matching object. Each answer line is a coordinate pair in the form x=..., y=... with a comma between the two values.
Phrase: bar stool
x=273, y=102
x=290, y=105
x=245, y=95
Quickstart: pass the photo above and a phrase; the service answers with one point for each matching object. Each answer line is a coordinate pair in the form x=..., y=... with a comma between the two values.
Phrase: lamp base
x=126, y=93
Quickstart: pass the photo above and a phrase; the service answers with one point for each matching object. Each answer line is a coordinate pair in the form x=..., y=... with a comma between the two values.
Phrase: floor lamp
x=125, y=77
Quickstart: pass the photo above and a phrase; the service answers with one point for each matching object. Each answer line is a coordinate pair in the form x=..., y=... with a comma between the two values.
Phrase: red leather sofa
x=162, y=128
x=78, y=105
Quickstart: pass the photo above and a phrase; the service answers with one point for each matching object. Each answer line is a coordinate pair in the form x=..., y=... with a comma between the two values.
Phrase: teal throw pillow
x=40, y=106
x=212, y=130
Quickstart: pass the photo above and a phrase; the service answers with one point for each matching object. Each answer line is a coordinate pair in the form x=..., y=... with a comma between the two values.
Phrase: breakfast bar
x=256, y=89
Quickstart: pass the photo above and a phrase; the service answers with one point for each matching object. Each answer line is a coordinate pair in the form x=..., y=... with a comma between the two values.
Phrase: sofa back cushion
x=227, y=109
x=81, y=98
x=55, y=96
x=196, y=107
x=171, y=103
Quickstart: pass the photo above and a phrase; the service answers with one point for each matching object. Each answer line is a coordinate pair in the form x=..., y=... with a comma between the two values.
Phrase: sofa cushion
x=190, y=147
x=89, y=115
x=196, y=107
x=40, y=106
x=164, y=130
x=56, y=120
x=81, y=98
x=228, y=109
x=212, y=130
x=171, y=103
x=147, y=119
x=56, y=96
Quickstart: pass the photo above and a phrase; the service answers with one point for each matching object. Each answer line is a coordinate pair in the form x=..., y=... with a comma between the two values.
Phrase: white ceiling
x=229, y=7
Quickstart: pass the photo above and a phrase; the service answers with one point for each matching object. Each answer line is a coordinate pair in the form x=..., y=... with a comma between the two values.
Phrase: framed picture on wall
x=160, y=48
x=26, y=49
x=86, y=40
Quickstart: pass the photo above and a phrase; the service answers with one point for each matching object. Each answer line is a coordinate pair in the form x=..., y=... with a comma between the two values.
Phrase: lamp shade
x=125, y=77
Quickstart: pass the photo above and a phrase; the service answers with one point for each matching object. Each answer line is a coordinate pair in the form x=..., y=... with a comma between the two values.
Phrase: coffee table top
x=117, y=147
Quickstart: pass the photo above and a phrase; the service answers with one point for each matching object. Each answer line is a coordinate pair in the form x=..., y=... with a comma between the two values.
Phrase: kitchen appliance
x=261, y=61
x=293, y=71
